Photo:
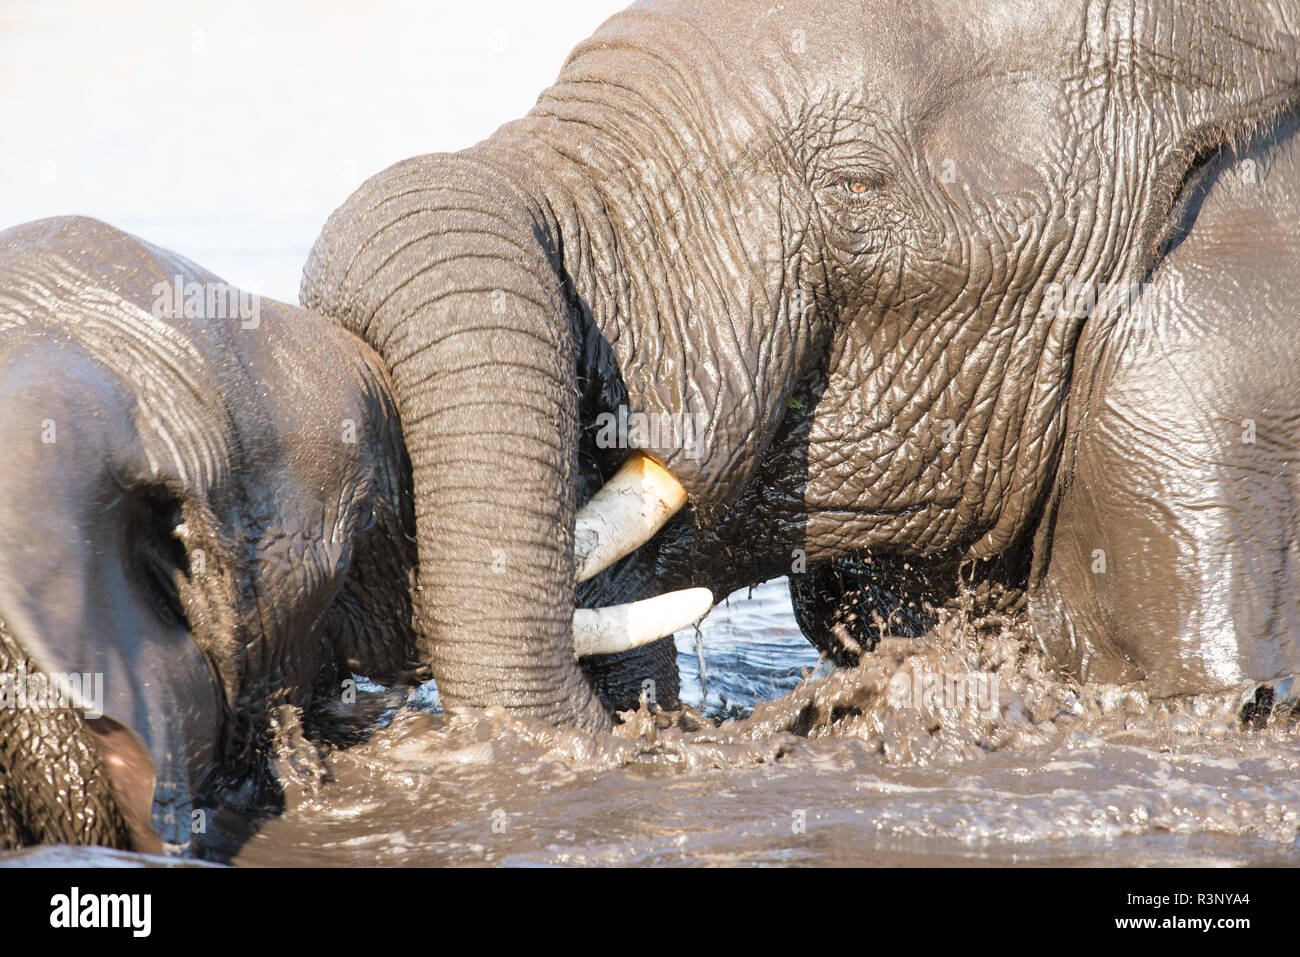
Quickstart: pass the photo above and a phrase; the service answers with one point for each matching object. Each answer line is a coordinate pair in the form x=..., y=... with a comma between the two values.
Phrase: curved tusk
x=624, y=515
x=605, y=631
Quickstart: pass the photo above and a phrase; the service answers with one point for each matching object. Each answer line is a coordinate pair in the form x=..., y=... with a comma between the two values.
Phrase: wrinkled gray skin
x=205, y=508
x=721, y=207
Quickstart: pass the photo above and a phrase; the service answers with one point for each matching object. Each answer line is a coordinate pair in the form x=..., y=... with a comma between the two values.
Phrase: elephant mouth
x=107, y=742
x=623, y=515
x=67, y=772
x=132, y=776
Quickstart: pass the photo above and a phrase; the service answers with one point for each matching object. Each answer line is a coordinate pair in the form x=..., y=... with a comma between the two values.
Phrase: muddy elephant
x=202, y=519
x=757, y=289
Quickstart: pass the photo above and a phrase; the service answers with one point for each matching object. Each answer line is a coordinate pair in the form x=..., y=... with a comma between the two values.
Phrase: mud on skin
x=201, y=509
x=838, y=252
x=836, y=232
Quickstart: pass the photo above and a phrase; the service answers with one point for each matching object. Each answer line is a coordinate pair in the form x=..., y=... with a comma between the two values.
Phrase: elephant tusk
x=624, y=515
x=606, y=631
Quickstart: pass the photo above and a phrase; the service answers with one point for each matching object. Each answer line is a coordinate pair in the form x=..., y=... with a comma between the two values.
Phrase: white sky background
x=228, y=130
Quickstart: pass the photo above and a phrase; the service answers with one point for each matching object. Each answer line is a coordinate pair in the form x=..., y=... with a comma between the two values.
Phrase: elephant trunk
x=446, y=268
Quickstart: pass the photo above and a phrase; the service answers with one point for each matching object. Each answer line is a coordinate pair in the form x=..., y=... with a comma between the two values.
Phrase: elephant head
x=201, y=520
x=817, y=236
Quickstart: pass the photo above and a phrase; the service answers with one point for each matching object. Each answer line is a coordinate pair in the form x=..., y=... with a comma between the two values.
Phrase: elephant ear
x=1221, y=71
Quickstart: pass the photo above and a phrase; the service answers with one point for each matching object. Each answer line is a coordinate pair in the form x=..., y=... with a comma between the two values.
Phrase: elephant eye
x=160, y=555
x=856, y=186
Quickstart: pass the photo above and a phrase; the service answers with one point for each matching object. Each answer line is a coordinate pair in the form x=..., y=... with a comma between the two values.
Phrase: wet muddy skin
x=843, y=769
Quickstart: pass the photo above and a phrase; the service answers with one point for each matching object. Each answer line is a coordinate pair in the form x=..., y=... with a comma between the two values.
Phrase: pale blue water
x=751, y=648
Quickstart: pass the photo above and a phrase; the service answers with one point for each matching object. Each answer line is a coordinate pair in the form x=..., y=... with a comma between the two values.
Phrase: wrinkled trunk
x=446, y=268
x=53, y=785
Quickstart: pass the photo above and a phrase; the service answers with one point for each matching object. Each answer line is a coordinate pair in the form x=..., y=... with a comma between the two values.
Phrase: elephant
x=970, y=296
x=205, y=517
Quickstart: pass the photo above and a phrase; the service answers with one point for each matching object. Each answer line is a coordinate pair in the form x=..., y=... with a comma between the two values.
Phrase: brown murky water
x=961, y=749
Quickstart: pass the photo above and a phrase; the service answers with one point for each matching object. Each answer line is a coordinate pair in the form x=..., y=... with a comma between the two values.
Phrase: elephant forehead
x=320, y=401
x=894, y=50
x=219, y=384
x=73, y=408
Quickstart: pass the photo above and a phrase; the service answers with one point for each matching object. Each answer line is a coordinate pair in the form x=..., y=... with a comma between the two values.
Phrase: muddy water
x=874, y=765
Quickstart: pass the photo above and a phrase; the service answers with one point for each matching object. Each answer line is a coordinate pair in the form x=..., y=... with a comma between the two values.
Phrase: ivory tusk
x=605, y=631
x=624, y=515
